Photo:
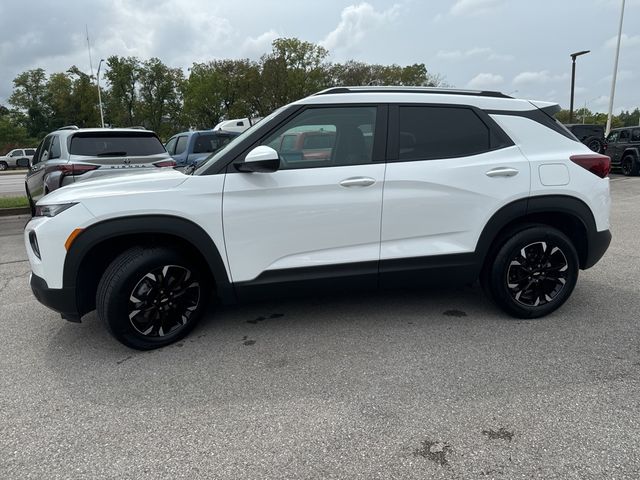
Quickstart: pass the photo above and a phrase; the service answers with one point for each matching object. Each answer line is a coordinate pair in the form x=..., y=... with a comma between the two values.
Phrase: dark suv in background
x=189, y=148
x=623, y=146
x=591, y=135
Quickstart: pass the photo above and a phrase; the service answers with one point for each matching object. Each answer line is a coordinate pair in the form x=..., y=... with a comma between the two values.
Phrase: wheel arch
x=100, y=243
x=568, y=214
x=635, y=151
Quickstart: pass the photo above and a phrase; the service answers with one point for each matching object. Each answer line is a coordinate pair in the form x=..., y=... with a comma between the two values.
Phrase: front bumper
x=61, y=300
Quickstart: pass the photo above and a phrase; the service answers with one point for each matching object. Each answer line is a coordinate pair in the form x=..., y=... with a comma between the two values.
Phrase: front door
x=316, y=218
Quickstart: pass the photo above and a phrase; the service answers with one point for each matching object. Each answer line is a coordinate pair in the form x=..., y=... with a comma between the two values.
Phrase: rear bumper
x=598, y=245
x=61, y=300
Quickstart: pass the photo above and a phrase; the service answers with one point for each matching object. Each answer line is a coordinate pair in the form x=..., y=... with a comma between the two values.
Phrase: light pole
x=573, y=79
x=99, y=95
x=615, y=74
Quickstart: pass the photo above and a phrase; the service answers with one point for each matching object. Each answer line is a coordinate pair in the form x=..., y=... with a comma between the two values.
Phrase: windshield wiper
x=111, y=154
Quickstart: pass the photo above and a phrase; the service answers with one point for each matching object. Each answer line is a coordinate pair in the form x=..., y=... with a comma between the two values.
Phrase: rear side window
x=30, y=151
x=115, y=144
x=432, y=132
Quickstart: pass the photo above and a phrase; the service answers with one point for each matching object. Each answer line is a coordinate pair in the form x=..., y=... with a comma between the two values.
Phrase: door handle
x=357, y=182
x=502, y=172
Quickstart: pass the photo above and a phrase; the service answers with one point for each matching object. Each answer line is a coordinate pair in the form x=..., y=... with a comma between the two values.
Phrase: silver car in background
x=17, y=158
x=73, y=154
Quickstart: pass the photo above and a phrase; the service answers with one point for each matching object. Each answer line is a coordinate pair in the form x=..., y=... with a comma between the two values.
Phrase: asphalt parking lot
x=435, y=384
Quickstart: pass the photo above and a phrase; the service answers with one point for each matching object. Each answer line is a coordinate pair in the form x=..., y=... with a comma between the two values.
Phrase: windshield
x=217, y=155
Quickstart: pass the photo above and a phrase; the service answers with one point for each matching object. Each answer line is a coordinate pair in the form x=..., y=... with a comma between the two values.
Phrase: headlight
x=52, y=210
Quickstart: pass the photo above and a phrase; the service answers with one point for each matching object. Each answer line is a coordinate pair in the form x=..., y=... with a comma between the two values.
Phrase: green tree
x=160, y=97
x=29, y=95
x=293, y=69
x=84, y=99
x=121, y=99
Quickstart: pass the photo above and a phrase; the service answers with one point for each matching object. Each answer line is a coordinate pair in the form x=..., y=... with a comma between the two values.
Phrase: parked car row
x=623, y=147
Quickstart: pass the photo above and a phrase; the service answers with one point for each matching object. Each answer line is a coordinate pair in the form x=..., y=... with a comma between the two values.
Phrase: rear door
x=450, y=168
x=312, y=219
x=35, y=175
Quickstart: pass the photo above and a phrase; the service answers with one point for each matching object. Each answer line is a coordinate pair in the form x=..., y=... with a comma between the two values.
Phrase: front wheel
x=3, y=166
x=151, y=297
x=533, y=273
x=629, y=165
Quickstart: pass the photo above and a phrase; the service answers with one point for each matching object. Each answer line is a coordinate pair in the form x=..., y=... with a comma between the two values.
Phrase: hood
x=117, y=185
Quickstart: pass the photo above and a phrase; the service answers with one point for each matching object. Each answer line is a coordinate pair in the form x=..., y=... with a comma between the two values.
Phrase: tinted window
x=30, y=151
x=16, y=153
x=106, y=144
x=44, y=151
x=613, y=137
x=635, y=135
x=624, y=135
x=441, y=132
x=181, y=145
x=55, y=148
x=171, y=146
x=210, y=142
x=345, y=137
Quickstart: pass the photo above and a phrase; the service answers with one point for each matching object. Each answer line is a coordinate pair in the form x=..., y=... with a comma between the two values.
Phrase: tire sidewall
x=116, y=306
x=503, y=258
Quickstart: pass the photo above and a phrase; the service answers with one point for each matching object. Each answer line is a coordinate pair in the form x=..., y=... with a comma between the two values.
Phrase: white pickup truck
x=18, y=157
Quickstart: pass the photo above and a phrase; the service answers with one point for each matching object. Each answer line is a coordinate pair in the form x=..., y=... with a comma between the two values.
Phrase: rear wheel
x=629, y=165
x=533, y=273
x=151, y=297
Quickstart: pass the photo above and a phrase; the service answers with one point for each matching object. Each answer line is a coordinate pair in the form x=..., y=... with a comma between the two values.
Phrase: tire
x=3, y=166
x=32, y=205
x=533, y=273
x=151, y=297
x=629, y=165
x=595, y=144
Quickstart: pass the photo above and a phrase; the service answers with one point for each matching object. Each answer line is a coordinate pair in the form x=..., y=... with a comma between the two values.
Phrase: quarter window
x=431, y=132
x=326, y=137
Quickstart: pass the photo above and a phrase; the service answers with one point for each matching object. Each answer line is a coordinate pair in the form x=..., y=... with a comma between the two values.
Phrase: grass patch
x=13, y=202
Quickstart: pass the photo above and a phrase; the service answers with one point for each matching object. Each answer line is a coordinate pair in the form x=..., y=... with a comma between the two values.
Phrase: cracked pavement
x=435, y=384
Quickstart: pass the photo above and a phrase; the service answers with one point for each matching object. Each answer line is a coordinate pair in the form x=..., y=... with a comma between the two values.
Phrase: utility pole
x=615, y=73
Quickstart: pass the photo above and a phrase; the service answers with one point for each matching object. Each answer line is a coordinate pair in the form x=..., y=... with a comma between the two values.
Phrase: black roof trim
x=446, y=91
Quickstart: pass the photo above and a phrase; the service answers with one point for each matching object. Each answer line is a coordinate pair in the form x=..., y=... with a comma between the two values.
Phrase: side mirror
x=22, y=163
x=261, y=159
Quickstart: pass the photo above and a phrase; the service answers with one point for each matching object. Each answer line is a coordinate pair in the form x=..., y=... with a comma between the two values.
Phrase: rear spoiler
x=549, y=108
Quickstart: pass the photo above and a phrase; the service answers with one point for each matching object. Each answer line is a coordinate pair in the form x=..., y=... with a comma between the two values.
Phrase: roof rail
x=70, y=127
x=400, y=89
x=138, y=127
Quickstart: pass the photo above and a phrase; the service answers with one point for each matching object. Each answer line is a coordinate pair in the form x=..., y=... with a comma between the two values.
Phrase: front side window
x=16, y=153
x=326, y=137
x=613, y=137
x=44, y=151
x=433, y=132
x=171, y=146
x=624, y=135
x=181, y=145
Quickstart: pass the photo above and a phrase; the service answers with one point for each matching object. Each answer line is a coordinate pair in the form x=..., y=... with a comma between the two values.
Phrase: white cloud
x=538, y=77
x=355, y=22
x=254, y=47
x=483, y=52
x=625, y=41
x=475, y=7
x=623, y=76
x=485, y=80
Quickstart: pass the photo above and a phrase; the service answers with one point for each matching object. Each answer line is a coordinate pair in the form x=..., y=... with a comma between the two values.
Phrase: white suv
x=406, y=187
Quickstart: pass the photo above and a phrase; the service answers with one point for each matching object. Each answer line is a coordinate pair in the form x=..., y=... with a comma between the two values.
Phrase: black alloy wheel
x=629, y=166
x=595, y=145
x=533, y=271
x=537, y=274
x=163, y=301
x=151, y=297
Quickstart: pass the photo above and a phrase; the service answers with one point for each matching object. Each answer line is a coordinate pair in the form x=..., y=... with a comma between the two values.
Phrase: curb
x=5, y=212
x=14, y=172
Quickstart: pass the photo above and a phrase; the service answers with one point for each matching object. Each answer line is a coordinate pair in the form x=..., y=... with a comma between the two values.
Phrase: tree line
x=148, y=93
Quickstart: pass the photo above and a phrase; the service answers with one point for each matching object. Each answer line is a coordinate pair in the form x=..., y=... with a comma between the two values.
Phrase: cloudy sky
x=520, y=47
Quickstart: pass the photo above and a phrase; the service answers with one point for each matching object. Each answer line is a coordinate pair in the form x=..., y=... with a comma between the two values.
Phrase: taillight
x=166, y=163
x=71, y=170
x=597, y=164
